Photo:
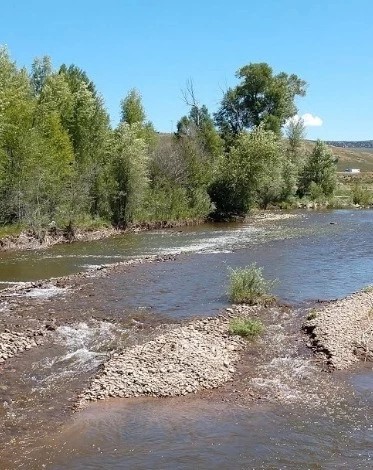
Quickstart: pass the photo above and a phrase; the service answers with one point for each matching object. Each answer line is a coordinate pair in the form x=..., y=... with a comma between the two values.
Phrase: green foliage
x=252, y=173
x=132, y=110
x=129, y=174
x=318, y=178
x=10, y=230
x=361, y=195
x=62, y=162
x=248, y=285
x=295, y=133
x=312, y=314
x=245, y=327
x=261, y=98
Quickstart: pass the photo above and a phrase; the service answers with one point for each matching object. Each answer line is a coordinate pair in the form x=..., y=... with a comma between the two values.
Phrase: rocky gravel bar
x=12, y=343
x=342, y=331
x=184, y=359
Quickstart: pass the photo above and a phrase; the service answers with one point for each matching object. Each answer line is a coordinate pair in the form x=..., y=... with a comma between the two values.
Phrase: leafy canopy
x=261, y=98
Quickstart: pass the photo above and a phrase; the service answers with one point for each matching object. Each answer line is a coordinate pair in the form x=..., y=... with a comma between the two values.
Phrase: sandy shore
x=342, y=332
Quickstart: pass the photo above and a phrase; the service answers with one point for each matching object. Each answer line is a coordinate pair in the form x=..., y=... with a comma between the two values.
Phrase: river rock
x=188, y=358
x=342, y=331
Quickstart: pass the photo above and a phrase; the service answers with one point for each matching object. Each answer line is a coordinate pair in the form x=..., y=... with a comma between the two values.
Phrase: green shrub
x=247, y=285
x=312, y=314
x=368, y=289
x=10, y=230
x=361, y=195
x=245, y=327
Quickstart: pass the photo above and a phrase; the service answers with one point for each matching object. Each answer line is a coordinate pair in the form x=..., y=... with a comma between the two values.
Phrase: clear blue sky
x=156, y=45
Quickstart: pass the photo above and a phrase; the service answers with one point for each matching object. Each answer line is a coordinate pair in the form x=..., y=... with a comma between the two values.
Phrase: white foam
x=45, y=293
x=222, y=243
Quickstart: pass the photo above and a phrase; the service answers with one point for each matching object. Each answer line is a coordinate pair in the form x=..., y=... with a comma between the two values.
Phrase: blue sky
x=157, y=45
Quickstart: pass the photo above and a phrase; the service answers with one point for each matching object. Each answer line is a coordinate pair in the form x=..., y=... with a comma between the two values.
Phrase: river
x=308, y=419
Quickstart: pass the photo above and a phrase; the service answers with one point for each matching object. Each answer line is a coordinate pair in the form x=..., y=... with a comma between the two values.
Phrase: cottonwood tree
x=261, y=98
x=129, y=174
x=250, y=174
x=16, y=116
x=295, y=153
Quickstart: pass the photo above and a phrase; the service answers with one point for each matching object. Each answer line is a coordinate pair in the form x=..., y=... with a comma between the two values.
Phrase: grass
x=245, y=327
x=10, y=230
x=312, y=314
x=248, y=286
x=368, y=289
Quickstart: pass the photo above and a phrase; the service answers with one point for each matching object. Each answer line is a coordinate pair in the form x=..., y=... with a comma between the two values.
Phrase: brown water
x=309, y=420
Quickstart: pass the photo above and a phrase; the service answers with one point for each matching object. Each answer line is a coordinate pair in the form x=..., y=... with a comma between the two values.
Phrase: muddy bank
x=341, y=333
x=29, y=240
x=185, y=359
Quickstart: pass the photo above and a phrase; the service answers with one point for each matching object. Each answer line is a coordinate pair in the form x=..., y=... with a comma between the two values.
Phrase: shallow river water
x=313, y=421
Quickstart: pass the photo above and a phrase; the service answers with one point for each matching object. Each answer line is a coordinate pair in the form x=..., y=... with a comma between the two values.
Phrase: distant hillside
x=349, y=157
x=366, y=144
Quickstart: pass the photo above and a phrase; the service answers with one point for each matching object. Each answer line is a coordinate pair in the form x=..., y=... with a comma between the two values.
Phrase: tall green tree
x=133, y=113
x=295, y=153
x=319, y=173
x=132, y=110
x=16, y=116
x=250, y=174
x=261, y=98
x=41, y=69
x=129, y=173
x=87, y=123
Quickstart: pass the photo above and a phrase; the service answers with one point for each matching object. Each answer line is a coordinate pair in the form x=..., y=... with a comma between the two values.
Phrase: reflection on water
x=177, y=434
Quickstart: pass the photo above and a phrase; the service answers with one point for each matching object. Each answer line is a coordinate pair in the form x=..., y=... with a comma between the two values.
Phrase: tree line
x=62, y=163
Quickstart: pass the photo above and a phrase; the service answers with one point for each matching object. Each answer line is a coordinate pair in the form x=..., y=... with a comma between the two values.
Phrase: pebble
x=12, y=343
x=342, y=330
x=186, y=359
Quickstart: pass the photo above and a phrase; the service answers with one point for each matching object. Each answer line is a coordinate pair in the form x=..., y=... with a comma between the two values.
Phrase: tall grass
x=245, y=327
x=248, y=285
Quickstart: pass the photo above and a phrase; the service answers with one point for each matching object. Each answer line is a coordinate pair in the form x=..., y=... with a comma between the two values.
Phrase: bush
x=247, y=285
x=361, y=195
x=245, y=327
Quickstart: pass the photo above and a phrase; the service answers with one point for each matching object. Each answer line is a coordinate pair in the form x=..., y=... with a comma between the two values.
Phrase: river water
x=309, y=419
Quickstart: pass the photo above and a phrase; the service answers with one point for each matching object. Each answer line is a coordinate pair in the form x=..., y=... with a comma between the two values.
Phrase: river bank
x=341, y=332
x=29, y=240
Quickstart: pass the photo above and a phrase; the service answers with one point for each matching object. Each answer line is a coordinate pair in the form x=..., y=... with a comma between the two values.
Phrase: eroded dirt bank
x=341, y=332
x=29, y=240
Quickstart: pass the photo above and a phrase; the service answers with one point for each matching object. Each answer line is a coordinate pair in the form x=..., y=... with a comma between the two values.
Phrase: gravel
x=342, y=331
x=12, y=343
x=186, y=359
